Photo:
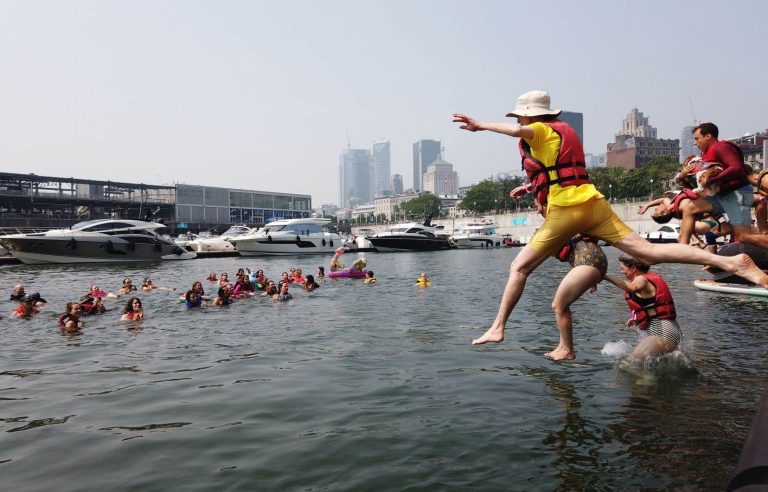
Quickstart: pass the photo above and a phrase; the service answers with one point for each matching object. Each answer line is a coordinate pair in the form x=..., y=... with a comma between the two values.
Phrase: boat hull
x=393, y=244
x=273, y=245
x=42, y=250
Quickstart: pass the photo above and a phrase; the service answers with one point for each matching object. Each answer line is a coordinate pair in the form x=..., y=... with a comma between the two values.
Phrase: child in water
x=369, y=278
x=423, y=280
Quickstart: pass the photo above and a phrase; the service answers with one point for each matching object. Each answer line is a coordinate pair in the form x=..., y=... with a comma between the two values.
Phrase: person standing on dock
x=553, y=159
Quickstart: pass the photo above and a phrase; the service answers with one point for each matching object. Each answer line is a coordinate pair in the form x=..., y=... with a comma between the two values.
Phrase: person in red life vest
x=735, y=195
x=553, y=160
x=652, y=309
x=70, y=320
x=133, y=311
x=29, y=306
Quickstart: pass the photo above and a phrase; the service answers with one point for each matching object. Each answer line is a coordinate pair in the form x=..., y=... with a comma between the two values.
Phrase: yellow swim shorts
x=593, y=218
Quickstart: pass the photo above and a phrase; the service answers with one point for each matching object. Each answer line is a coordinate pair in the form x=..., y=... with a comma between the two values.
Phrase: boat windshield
x=235, y=231
x=302, y=229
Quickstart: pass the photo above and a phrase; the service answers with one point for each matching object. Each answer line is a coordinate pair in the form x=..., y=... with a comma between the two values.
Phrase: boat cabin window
x=107, y=226
x=426, y=234
x=302, y=229
x=414, y=230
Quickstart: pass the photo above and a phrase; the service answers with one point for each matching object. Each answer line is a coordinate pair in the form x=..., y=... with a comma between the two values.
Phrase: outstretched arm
x=644, y=208
x=634, y=286
x=510, y=129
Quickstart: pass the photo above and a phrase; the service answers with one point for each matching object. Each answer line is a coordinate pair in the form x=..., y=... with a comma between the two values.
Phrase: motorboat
x=476, y=235
x=360, y=242
x=411, y=236
x=185, y=238
x=290, y=237
x=221, y=243
x=95, y=241
x=664, y=234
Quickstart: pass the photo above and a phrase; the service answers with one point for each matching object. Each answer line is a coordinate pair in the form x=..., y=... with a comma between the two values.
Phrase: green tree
x=483, y=197
x=425, y=204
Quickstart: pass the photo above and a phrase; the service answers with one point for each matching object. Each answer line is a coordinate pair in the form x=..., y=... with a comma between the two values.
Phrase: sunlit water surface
x=370, y=387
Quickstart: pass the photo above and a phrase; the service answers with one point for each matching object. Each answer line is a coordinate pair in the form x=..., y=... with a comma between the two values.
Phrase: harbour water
x=370, y=387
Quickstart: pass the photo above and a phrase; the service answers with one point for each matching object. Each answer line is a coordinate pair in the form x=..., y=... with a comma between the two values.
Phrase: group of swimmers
x=246, y=283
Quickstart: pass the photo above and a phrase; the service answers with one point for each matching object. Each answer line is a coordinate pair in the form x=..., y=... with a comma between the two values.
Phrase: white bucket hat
x=534, y=103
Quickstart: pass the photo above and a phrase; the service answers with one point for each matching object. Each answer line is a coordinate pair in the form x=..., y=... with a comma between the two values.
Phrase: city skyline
x=262, y=95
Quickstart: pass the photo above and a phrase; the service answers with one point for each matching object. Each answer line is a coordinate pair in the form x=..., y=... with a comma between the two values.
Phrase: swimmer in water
x=283, y=295
x=212, y=277
x=224, y=296
x=17, y=293
x=193, y=299
x=320, y=272
x=423, y=280
x=148, y=285
x=133, y=311
x=369, y=277
x=310, y=284
x=70, y=320
x=652, y=309
x=270, y=289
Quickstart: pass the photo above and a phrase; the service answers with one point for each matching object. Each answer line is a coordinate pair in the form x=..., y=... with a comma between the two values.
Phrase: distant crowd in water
x=246, y=284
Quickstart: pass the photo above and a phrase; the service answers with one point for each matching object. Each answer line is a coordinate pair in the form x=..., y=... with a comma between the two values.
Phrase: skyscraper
x=381, y=167
x=576, y=120
x=425, y=152
x=441, y=179
x=354, y=176
x=686, y=143
x=397, y=183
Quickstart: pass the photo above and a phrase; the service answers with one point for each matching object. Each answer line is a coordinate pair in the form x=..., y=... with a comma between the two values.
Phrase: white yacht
x=411, y=236
x=219, y=243
x=476, y=235
x=95, y=241
x=290, y=237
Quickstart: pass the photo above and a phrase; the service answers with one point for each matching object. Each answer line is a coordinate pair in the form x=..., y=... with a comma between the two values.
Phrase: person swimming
x=423, y=280
x=310, y=284
x=212, y=277
x=17, y=293
x=283, y=295
x=134, y=311
x=70, y=320
x=369, y=277
x=193, y=299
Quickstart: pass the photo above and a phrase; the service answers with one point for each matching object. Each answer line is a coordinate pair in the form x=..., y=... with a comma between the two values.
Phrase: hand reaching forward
x=469, y=124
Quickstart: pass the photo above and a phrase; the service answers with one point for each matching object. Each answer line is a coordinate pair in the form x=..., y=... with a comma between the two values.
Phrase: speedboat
x=219, y=243
x=411, y=236
x=290, y=237
x=185, y=238
x=95, y=241
x=664, y=234
x=476, y=235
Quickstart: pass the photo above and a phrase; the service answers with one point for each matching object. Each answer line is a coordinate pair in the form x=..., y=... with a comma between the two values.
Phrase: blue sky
x=262, y=95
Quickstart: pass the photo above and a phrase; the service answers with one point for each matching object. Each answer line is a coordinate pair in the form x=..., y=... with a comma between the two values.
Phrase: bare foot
x=748, y=270
x=493, y=334
x=561, y=353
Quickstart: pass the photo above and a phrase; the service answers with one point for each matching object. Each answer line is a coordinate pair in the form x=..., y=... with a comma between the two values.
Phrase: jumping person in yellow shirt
x=553, y=159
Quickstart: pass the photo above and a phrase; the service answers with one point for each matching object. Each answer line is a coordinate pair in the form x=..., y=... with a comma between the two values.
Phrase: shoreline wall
x=522, y=225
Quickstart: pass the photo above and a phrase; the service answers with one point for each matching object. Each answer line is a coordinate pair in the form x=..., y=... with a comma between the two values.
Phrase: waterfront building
x=29, y=200
x=754, y=147
x=355, y=176
x=425, y=152
x=687, y=146
x=440, y=178
x=203, y=206
x=636, y=144
x=397, y=184
x=380, y=156
x=594, y=160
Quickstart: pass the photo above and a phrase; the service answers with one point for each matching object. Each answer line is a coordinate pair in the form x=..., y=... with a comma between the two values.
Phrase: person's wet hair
x=634, y=262
x=662, y=219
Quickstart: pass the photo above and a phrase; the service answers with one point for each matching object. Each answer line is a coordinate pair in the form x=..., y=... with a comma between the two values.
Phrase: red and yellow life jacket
x=663, y=306
x=736, y=182
x=685, y=194
x=569, y=165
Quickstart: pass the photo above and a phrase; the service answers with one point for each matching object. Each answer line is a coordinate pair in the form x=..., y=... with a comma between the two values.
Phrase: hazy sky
x=262, y=95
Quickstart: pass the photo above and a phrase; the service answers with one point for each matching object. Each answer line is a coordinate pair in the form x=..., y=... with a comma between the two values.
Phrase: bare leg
x=690, y=209
x=525, y=262
x=761, y=216
x=651, y=346
x=745, y=235
x=571, y=288
x=741, y=265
